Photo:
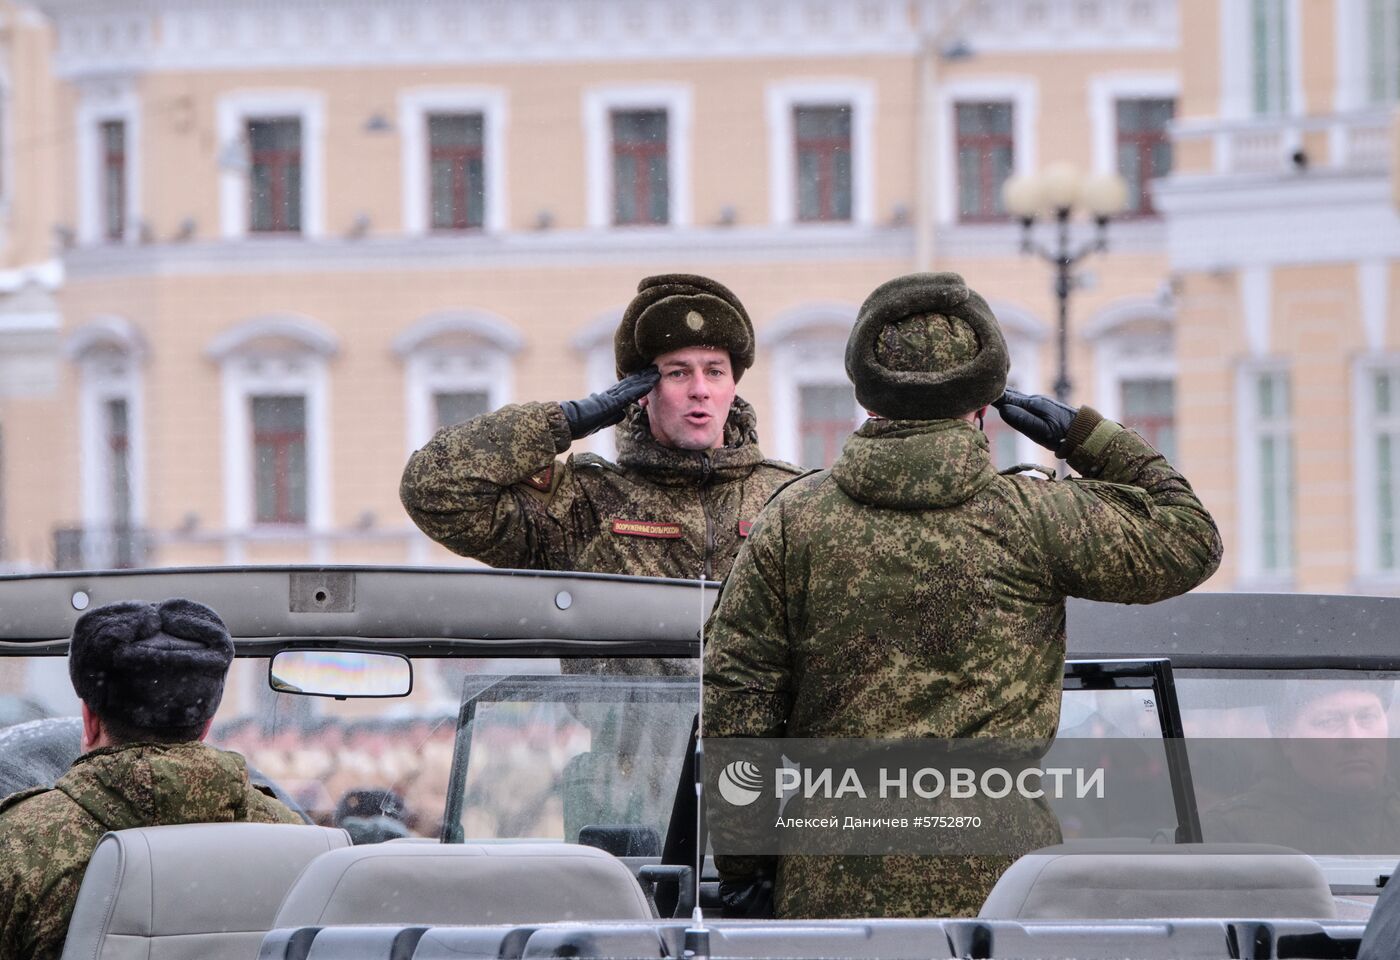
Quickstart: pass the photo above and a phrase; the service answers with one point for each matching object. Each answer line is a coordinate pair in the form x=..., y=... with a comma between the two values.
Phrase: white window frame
x=247, y=371
x=785, y=97
x=1237, y=61
x=7, y=167
x=1105, y=90
x=598, y=104
x=415, y=106
x=1365, y=496
x=108, y=357
x=234, y=112
x=1113, y=332
x=486, y=364
x=807, y=346
x=595, y=343
x=1024, y=95
x=1251, y=575
x=93, y=111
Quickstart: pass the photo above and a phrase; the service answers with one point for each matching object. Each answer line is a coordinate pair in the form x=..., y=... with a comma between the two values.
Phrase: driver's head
x=1334, y=733
x=151, y=671
x=926, y=347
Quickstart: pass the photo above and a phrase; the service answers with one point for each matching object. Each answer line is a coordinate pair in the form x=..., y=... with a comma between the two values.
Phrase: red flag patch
x=744, y=528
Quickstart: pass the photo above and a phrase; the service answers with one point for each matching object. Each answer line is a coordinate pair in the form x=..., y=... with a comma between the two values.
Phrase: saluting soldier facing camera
x=913, y=592
x=689, y=474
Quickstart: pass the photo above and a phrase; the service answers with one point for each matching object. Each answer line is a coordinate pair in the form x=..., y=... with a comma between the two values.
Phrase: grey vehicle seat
x=463, y=883
x=1114, y=880
x=196, y=890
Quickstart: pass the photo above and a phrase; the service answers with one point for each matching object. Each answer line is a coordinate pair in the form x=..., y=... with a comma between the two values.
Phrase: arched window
x=595, y=343
x=276, y=425
x=108, y=353
x=457, y=365
x=1135, y=369
x=1024, y=334
x=814, y=405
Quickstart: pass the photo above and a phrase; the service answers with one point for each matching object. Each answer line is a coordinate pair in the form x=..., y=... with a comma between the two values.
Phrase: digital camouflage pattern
x=911, y=591
x=926, y=343
x=47, y=835
x=492, y=489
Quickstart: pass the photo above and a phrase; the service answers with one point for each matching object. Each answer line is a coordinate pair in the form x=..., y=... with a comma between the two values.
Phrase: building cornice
x=102, y=37
x=1231, y=221
x=553, y=249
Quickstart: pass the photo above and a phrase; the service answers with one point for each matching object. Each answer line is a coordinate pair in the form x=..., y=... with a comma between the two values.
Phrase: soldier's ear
x=643, y=400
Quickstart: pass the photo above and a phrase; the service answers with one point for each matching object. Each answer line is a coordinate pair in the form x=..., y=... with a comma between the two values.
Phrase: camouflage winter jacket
x=47, y=835
x=492, y=489
x=911, y=591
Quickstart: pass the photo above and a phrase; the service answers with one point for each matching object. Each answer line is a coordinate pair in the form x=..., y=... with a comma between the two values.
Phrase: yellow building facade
x=254, y=254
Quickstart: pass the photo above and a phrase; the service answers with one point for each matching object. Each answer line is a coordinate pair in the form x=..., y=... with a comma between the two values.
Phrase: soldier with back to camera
x=913, y=592
x=150, y=677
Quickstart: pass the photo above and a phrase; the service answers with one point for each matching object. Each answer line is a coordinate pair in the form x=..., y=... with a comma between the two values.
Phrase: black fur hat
x=926, y=347
x=150, y=665
x=677, y=310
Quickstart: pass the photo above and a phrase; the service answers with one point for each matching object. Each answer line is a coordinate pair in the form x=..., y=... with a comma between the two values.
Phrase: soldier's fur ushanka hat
x=677, y=310
x=150, y=665
x=926, y=347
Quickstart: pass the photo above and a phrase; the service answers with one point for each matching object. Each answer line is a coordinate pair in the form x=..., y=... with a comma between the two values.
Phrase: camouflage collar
x=914, y=464
x=638, y=450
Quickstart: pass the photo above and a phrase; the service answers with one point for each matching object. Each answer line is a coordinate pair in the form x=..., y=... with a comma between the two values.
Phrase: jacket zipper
x=708, y=572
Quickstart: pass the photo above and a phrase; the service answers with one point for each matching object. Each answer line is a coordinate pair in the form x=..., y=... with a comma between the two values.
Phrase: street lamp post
x=1057, y=193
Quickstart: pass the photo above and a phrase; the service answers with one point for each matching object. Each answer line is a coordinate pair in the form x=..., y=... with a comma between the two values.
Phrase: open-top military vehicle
x=512, y=754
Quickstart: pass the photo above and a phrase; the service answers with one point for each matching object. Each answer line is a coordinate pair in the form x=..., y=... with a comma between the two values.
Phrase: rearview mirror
x=340, y=673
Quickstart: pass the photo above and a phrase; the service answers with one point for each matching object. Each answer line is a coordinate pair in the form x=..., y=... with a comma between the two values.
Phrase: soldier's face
x=690, y=404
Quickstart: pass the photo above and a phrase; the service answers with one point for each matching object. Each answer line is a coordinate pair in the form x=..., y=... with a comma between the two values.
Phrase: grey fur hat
x=150, y=665
x=926, y=347
x=672, y=311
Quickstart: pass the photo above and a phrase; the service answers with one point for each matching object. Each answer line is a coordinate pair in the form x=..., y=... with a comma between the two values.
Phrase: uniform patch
x=744, y=527
x=647, y=528
x=543, y=479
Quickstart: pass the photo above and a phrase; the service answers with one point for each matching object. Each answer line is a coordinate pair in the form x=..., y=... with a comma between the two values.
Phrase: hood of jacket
x=914, y=464
x=638, y=450
x=153, y=784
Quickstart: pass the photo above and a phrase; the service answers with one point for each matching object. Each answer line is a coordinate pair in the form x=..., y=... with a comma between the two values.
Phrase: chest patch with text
x=647, y=528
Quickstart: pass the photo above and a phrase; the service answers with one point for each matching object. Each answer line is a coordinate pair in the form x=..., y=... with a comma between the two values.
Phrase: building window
x=274, y=194
x=1144, y=148
x=825, y=419
x=1149, y=407
x=119, y=461
x=985, y=146
x=113, y=137
x=458, y=406
x=1271, y=46
x=279, y=459
x=1273, y=474
x=456, y=158
x=1383, y=42
x=823, y=149
x=640, y=167
x=1385, y=400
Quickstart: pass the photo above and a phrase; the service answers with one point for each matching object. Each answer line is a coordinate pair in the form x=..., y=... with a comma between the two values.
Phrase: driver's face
x=1339, y=741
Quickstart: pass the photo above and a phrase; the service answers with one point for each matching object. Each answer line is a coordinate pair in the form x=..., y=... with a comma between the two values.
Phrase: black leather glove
x=1044, y=420
x=608, y=407
x=750, y=898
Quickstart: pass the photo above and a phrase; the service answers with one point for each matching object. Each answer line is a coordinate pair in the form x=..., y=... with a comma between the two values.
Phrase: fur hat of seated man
x=151, y=666
x=673, y=311
x=926, y=346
